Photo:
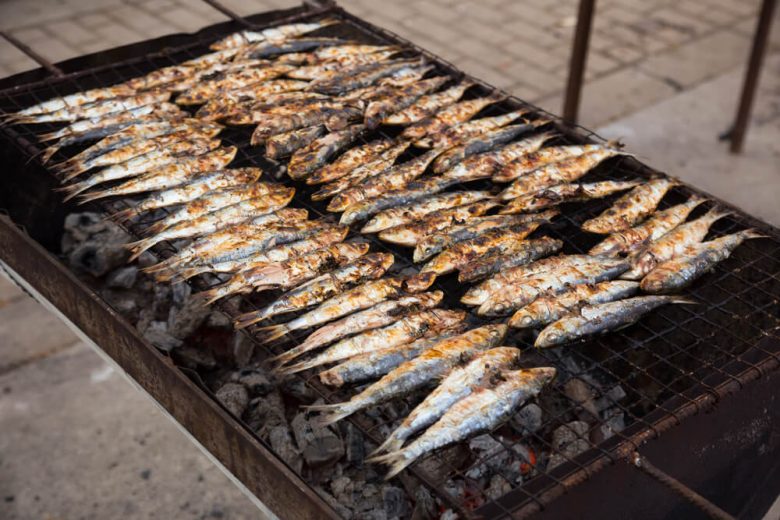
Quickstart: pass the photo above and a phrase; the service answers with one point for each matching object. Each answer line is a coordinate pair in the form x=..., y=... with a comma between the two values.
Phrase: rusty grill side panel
x=690, y=358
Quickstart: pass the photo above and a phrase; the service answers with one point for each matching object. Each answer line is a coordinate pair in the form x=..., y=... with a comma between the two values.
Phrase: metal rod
x=43, y=62
x=579, y=58
x=757, y=53
x=229, y=13
x=713, y=511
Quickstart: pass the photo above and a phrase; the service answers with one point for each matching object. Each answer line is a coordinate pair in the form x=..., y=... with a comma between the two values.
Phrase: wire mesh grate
x=667, y=359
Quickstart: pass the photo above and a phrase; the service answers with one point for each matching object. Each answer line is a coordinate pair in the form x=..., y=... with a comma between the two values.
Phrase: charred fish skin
x=458, y=133
x=458, y=384
x=378, y=110
x=549, y=308
x=451, y=115
x=672, y=244
x=631, y=208
x=563, y=193
x=480, y=411
x=542, y=157
x=693, y=262
x=319, y=151
x=284, y=145
x=350, y=160
x=631, y=240
x=372, y=365
x=477, y=144
x=418, y=372
x=427, y=105
x=594, y=319
x=524, y=253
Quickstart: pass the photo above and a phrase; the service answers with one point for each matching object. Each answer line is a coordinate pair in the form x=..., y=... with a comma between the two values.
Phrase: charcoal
x=194, y=358
x=343, y=488
x=283, y=445
x=614, y=421
x=157, y=334
x=298, y=389
x=610, y=398
x=124, y=302
x=568, y=441
x=449, y=514
x=180, y=293
x=343, y=511
x=218, y=320
x=93, y=245
x=424, y=505
x=122, y=278
x=447, y=460
x=81, y=226
x=528, y=420
x=395, y=502
x=498, y=487
x=97, y=257
x=147, y=259
x=265, y=413
x=355, y=445
x=319, y=445
x=234, y=397
x=243, y=348
x=256, y=380
x=184, y=320
x=579, y=392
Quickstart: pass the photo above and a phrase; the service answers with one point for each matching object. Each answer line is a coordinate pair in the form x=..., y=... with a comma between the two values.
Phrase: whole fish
x=477, y=144
x=281, y=253
x=268, y=49
x=372, y=365
x=236, y=105
x=142, y=164
x=318, y=152
x=459, y=383
x=231, y=81
x=449, y=116
x=461, y=132
x=285, y=144
x=562, y=193
x=632, y=239
x=73, y=101
x=427, y=105
x=288, y=274
x=169, y=175
x=672, y=244
x=355, y=299
x=418, y=372
x=600, y=318
x=495, y=241
x=518, y=254
x=214, y=201
x=393, y=178
x=368, y=77
x=485, y=164
x=519, y=273
x=693, y=262
x=407, y=214
x=631, y=208
x=96, y=109
x=333, y=116
x=192, y=190
x=438, y=242
x=381, y=314
x=195, y=76
x=212, y=222
x=411, y=192
x=276, y=34
x=405, y=330
x=483, y=410
x=567, y=170
x=378, y=110
x=369, y=267
x=549, y=308
x=383, y=87
x=372, y=167
x=329, y=69
x=352, y=159
x=353, y=49
x=551, y=154
x=410, y=235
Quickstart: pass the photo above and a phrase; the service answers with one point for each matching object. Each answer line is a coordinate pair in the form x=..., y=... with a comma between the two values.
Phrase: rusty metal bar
x=757, y=53
x=646, y=467
x=229, y=13
x=43, y=62
x=579, y=58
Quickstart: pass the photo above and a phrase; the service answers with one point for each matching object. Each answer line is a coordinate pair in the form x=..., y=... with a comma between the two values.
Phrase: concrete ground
x=663, y=76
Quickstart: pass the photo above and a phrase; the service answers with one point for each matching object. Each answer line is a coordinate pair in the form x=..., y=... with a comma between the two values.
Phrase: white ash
x=234, y=397
x=256, y=380
x=568, y=441
x=319, y=445
x=582, y=394
x=342, y=510
x=93, y=245
x=527, y=420
x=297, y=389
x=283, y=445
x=424, y=504
x=264, y=413
x=156, y=333
x=498, y=487
x=122, y=278
x=243, y=348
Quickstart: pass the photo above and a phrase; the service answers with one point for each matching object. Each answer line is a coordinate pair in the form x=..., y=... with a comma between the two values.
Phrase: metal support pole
x=43, y=62
x=228, y=12
x=757, y=52
x=579, y=57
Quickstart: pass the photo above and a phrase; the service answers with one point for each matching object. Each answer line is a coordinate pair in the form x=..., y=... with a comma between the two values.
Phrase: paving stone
x=9, y=291
x=70, y=32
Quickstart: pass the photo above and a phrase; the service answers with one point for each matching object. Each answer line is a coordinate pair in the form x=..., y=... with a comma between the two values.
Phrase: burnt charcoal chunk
x=319, y=445
x=283, y=445
x=122, y=278
x=234, y=397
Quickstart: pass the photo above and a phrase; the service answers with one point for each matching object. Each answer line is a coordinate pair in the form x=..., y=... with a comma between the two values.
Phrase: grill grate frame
x=685, y=351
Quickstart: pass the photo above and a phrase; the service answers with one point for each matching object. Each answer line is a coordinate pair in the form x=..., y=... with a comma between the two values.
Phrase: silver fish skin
x=544, y=156
x=412, y=192
x=204, y=91
x=72, y=101
x=405, y=330
x=427, y=105
x=378, y=110
x=694, y=261
x=672, y=244
x=373, y=365
x=482, y=410
x=524, y=253
x=461, y=132
x=349, y=160
x=660, y=223
x=267, y=49
x=631, y=208
x=458, y=384
x=563, y=193
x=330, y=68
x=276, y=34
x=284, y=145
x=549, y=308
x=381, y=314
x=339, y=51
x=418, y=372
x=314, y=155
x=334, y=116
x=513, y=297
x=449, y=116
x=313, y=292
x=479, y=144
x=363, y=79
x=99, y=108
x=594, y=319
x=409, y=213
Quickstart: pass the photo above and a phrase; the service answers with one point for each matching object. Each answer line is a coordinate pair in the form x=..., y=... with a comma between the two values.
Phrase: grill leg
x=579, y=56
x=757, y=53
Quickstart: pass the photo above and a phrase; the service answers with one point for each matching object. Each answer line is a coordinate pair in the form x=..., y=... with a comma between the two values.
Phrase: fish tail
x=89, y=197
x=48, y=152
x=288, y=355
x=140, y=246
x=327, y=419
x=397, y=462
x=272, y=333
x=752, y=233
x=390, y=445
x=298, y=367
x=245, y=320
x=683, y=300
x=157, y=227
x=125, y=214
x=188, y=273
x=73, y=189
x=210, y=296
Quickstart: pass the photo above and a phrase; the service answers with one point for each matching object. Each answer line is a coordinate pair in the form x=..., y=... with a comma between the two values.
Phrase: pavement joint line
x=10, y=367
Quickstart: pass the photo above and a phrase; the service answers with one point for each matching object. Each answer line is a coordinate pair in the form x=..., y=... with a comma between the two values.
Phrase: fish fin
x=390, y=445
x=48, y=152
x=89, y=197
x=245, y=320
x=748, y=234
x=271, y=333
x=157, y=227
x=140, y=246
x=124, y=215
x=328, y=418
x=397, y=463
x=298, y=367
x=72, y=190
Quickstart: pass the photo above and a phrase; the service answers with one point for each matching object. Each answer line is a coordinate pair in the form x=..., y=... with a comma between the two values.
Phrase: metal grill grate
x=670, y=364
